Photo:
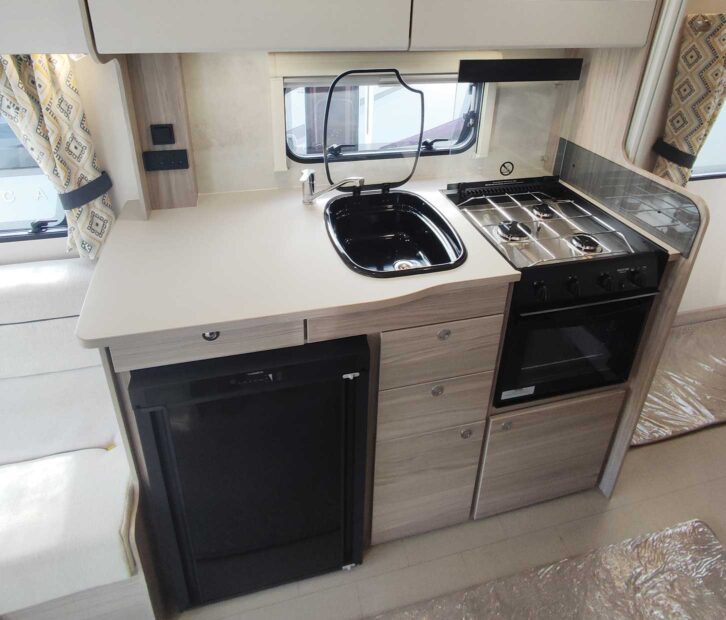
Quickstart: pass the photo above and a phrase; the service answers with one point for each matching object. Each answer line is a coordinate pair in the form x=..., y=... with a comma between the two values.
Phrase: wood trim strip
x=699, y=316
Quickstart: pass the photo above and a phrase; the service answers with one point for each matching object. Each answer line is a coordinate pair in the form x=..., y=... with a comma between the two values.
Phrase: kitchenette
x=369, y=296
x=377, y=356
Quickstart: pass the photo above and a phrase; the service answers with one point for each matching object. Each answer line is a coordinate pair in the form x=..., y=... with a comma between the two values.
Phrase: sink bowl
x=392, y=234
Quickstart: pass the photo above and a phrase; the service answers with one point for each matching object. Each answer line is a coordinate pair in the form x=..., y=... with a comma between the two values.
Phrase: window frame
x=59, y=229
x=27, y=234
x=462, y=147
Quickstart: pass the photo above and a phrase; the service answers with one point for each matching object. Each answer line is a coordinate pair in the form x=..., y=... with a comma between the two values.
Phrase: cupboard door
x=427, y=407
x=546, y=451
x=425, y=482
x=410, y=356
x=44, y=27
x=496, y=24
x=140, y=26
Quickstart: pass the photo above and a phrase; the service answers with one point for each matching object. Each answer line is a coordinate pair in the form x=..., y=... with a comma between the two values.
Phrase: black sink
x=392, y=234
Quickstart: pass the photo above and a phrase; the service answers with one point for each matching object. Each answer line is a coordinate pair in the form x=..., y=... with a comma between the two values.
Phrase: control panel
x=588, y=280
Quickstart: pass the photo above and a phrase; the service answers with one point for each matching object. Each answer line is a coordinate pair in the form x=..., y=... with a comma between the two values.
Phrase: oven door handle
x=594, y=303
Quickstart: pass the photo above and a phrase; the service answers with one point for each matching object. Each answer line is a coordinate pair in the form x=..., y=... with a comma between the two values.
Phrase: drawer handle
x=444, y=334
x=507, y=426
x=466, y=433
x=210, y=336
x=437, y=390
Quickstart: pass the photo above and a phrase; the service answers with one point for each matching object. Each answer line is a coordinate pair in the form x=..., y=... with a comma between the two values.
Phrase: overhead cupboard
x=45, y=26
x=139, y=26
x=500, y=24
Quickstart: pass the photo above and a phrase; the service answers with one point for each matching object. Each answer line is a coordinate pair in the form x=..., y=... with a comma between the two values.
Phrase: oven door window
x=567, y=350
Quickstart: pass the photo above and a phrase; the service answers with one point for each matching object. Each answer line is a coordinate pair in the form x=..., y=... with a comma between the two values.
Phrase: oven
x=568, y=348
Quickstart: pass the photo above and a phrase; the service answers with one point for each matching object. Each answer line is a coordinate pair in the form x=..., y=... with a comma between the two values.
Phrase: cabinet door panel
x=410, y=356
x=427, y=407
x=425, y=482
x=543, y=452
x=496, y=24
x=44, y=27
x=140, y=26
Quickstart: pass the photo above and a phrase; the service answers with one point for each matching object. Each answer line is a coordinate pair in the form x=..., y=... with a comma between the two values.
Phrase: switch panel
x=162, y=134
x=166, y=160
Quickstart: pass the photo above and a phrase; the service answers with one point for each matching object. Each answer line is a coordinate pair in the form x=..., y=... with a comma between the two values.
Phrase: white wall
x=230, y=115
x=707, y=285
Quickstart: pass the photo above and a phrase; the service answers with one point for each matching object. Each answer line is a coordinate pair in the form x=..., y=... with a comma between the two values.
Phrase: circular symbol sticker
x=506, y=168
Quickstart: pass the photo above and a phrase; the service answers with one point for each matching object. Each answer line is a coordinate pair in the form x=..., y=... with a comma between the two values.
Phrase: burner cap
x=513, y=231
x=586, y=243
x=543, y=211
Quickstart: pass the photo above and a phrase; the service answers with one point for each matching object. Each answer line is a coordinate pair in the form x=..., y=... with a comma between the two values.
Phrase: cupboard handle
x=444, y=334
x=437, y=390
x=466, y=433
x=507, y=426
x=210, y=336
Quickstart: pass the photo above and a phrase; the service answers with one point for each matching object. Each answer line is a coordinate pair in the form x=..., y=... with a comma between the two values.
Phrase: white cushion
x=61, y=519
x=42, y=346
x=44, y=289
x=55, y=412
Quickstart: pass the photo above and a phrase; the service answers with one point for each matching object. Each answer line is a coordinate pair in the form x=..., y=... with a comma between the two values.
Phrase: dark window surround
x=25, y=234
x=460, y=148
x=708, y=176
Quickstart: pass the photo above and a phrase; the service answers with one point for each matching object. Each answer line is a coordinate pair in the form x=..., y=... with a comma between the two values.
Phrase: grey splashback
x=665, y=214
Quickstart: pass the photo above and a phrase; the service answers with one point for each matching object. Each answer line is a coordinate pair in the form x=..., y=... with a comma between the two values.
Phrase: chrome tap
x=308, y=185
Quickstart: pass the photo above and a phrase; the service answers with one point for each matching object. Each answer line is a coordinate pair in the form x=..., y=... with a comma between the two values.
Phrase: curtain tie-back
x=76, y=198
x=673, y=154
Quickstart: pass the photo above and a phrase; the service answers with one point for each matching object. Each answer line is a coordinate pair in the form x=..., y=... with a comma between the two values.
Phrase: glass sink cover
x=392, y=128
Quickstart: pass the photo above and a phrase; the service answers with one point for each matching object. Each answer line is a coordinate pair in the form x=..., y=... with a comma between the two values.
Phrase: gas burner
x=543, y=211
x=513, y=231
x=586, y=243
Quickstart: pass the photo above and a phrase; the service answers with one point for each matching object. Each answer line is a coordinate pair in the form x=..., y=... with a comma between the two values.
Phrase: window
x=451, y=117
x=26, y=195
x=711, y=161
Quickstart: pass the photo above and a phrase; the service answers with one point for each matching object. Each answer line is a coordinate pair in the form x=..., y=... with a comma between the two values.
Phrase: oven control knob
x=605, y=280
x=636, y=277
x=541, y=292
x=573, y=286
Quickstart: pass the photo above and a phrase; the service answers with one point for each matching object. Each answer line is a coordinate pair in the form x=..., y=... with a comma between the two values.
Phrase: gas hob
x=545, y=224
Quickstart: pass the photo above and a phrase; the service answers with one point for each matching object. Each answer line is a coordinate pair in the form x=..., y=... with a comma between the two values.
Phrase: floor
x=661, y=484
x=689, y=388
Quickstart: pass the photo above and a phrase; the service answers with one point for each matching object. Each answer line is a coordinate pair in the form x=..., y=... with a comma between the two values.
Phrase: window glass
x=376, y=118
x=26, y=195
x=712, y=157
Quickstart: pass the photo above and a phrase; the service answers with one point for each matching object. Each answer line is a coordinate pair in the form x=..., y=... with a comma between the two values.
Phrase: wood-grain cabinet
x=501, y=24
x=546, y=451
x=435, y=383
x=140, y=26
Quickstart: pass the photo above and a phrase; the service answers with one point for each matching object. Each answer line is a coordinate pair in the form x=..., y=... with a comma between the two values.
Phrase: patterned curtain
x=40, y=101
x=699, y=90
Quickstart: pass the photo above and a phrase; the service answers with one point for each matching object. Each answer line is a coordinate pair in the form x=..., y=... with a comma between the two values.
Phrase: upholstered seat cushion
x=55, y=412
x=63, y=523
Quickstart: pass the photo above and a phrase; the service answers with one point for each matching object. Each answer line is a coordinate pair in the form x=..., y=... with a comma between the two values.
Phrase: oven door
x=569, y=349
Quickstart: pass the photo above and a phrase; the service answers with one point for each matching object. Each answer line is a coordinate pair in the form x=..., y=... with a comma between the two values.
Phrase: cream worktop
x=251, y=257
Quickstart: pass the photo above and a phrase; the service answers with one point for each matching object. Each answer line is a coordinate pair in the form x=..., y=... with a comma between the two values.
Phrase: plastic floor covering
x=689, y=388
x=678, y=573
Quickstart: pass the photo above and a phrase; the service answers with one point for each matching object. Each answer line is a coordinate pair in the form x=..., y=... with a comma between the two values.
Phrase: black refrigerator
x=256, y=466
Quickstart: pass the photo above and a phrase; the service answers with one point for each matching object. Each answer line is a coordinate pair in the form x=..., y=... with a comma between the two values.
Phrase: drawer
x=547, y=451
x=425, y=482
x=447, y=305
x=188, y=345
x=427, y=407
x=420, y=354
